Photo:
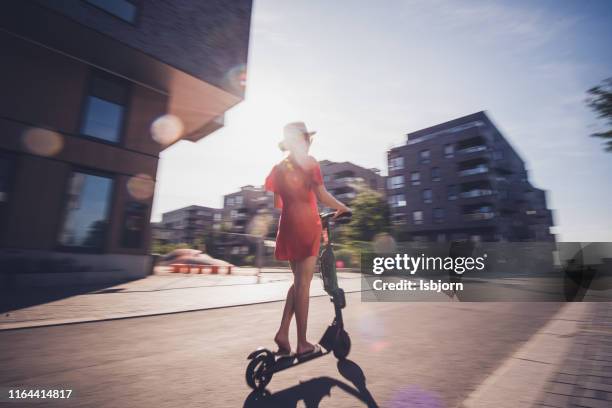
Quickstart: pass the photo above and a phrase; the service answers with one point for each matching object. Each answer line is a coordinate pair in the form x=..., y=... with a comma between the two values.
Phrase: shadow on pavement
x=22, y=297
x=313, y=391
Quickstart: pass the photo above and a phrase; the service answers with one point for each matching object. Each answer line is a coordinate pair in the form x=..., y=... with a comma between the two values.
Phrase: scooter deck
x=283, y=362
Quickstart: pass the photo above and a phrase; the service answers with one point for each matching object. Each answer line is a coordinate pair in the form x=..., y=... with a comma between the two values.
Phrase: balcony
x=476, y=193
x=478, y=212
x=480, y=169
x=478, y=216
x=472, y=149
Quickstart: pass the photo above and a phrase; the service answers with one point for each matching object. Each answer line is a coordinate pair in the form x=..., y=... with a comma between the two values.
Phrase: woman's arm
x=278, y=201
x=329, y=200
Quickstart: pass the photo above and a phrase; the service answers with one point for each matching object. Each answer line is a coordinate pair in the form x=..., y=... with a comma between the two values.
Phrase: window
x=233, y=214
x=229, y=201
x=134, y=224
x=425, y=156
x=452, y=192
x=438, y=215
x=417, y=217
x=396, y=163
x=7, y=166
x=105, y=108
x=427, y=196
x=238, y=200
x=395, y=182
x=397, y=200
x=435, y=174
x=415, y=178
x=86, y=211
x=217, y=217
x=449, y=151
x=125, y=10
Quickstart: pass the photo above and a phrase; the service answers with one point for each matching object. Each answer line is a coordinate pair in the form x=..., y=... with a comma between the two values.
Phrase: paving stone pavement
x=585, y=376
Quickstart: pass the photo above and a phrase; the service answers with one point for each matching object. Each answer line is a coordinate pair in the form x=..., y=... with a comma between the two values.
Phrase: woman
x=297, y=184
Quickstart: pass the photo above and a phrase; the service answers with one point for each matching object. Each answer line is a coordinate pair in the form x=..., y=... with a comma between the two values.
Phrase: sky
x=363, y=76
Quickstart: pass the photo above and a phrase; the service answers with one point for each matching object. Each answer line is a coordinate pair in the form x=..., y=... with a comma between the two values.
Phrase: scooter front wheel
x=256, y=376
x=342, y=346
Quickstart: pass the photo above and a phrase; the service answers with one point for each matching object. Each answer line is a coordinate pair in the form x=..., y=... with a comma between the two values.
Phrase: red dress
x=299, y=227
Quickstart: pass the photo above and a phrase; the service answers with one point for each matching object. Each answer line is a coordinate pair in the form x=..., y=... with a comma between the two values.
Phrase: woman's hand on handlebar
x=342, y=210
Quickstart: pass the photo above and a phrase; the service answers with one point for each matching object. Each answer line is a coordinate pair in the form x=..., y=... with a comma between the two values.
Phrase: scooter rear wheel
x=256, y=376
x=342, y=346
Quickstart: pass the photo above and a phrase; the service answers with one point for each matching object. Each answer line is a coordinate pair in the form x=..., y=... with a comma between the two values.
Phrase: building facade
x=92, y=92
x=344, y=180
x=187, y=225
x=249, y=218
x=462, y=180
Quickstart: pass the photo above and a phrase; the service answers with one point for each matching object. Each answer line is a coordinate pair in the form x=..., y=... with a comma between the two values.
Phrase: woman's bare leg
x=282, y=335
x=302, y=279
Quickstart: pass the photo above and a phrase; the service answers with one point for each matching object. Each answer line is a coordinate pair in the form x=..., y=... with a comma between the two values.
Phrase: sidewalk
x=584, y=378
x=567, y=363
x=164, y=293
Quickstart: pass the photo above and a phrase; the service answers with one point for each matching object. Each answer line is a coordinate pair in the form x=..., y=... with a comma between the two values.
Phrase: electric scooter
x=264, y=363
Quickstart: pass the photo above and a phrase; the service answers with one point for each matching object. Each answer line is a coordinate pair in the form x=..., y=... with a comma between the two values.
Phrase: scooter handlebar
x=343, y=218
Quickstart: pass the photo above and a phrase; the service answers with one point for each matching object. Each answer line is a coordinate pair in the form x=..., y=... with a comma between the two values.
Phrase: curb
x=51, y=323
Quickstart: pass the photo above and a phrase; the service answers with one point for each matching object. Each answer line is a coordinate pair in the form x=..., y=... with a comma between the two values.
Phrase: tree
x=370, y=216
x=600, y=101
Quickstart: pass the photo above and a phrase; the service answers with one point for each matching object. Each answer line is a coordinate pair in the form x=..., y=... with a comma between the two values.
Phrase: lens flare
x=236, y=78
x=372, y=330
x=260, y=225
x=167, y=129
x=413, y=396
x=141, y=186
x=384, y=243
x=43, y=142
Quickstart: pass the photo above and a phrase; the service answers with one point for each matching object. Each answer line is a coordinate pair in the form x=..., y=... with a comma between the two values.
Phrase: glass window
x=104, y=108
x=7, y=166
x=449, y=151
x=6, y=172
x=395, y=182
x=427, y=196
x=452, y=192
x=425, y=156
x=417, y=217
x=435, y=174
x=238, y=200
x=86, y=211
x=134, y=224
x=415, y=178
x=123, y=9
x=396, y=163
x=229, y=201
x=397, y=200
x=438, y=215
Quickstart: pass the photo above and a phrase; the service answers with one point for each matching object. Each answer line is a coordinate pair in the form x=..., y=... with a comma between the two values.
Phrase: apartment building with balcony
x=344, y=180
x=462, y=180
x=92, y=92
x=187, y=225
x=248, y=214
